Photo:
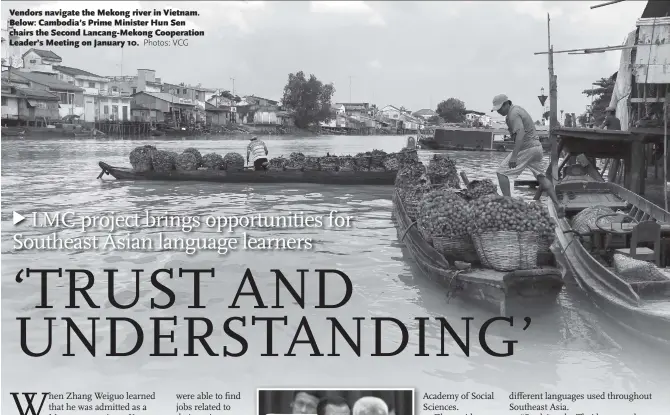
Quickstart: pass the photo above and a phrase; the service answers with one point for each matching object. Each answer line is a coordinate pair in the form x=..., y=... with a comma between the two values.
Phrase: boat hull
x=614, y=296
x=386, y=178
x=500, y=291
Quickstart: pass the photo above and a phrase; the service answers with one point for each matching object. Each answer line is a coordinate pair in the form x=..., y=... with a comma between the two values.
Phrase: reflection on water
x=569, y=347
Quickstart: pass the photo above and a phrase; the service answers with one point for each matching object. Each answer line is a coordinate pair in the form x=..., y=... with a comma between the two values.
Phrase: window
x=134, y=90
x=91, y=84
x=66, y=97
x=115, y=89
x=106, y=109
x=115, y=111
x=33, y=61
x=184, y=91
x=4, y=101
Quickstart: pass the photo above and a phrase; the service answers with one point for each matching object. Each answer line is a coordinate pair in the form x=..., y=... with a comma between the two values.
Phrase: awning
x=32, y=102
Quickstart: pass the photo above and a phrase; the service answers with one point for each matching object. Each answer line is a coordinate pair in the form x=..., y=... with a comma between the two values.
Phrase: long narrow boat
x=250, y=176
x=490, y=288
x=641, y=305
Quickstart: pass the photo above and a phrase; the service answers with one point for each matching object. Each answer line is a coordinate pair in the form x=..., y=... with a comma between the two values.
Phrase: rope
x=407, y=230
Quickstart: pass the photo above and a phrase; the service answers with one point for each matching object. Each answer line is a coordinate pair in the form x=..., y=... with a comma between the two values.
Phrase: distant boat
x=461, y=138
x=7, y=132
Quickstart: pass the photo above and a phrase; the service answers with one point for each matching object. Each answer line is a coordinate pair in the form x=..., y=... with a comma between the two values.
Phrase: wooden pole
x=553, y=105
x=665, y=151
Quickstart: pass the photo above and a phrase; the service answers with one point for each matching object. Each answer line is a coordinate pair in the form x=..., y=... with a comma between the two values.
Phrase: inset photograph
x=381, y=401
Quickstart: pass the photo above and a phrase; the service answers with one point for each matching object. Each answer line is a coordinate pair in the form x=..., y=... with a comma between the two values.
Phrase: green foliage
x=568, y=121
x=308, y=99
x=582, y=119
x=602, y=96
x=451, y=110
x=546, y=115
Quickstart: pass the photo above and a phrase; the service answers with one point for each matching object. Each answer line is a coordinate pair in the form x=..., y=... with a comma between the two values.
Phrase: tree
x=538, y=122
x=568, y=121
x=451, y=110
x=602, y=95
x=582, y=119
x=433, y=120
x=308, y=99
x=546, y=115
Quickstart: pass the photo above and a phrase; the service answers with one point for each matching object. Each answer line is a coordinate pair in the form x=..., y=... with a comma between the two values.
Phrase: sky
x=411, y=54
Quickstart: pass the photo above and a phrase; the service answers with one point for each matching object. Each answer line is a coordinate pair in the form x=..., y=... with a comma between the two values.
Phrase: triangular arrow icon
x=17, y=218
x=543, y=99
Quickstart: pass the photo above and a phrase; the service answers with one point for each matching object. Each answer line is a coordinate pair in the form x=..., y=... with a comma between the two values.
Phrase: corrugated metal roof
x=47, y=80
x=656, y=9
x=164, y=96
x=36, y=93
x=74, y=71
x=424, y=112
x=44, y=53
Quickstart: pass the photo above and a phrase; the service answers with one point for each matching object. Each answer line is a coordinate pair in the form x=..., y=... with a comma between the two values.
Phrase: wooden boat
x=467, y=139
x=250, y=176
x=8, y=132
x=642, y=307
x=487, y=287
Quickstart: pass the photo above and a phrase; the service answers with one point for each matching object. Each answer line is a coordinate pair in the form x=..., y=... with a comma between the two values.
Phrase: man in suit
x=333, y=405
x=305, y=402
x=370, y=405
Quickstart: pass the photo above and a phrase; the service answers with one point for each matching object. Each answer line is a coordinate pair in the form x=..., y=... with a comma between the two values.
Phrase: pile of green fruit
x=493, y=213
x=233, y=160
x=479, y=188
x=410, y=176
x=443, y=213
x=442, y=170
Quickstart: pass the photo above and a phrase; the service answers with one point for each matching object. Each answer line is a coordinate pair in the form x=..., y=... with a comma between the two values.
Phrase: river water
x=570, y=347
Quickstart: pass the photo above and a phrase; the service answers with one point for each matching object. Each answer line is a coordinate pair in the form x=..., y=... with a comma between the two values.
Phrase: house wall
x=112, y=108
x=148, y=101
x=46, y=109
x=35, y=63
x=147, y=115
x=391, y=113
x=10, y=107
x=266, y=117
x=216, y=118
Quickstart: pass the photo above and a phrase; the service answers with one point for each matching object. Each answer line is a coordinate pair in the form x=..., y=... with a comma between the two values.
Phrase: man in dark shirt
x=611, y=121
x=305, y=402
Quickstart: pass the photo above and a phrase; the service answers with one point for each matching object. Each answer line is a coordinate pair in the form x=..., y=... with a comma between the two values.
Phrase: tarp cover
x=622, y=87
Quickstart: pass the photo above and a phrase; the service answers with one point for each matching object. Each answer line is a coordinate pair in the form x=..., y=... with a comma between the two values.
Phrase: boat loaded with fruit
x=370, y=168
x=475, y=243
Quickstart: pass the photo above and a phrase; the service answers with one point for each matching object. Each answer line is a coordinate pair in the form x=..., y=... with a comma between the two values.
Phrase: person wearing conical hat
x=527, y=153
x=257, y=151
x=611, y=121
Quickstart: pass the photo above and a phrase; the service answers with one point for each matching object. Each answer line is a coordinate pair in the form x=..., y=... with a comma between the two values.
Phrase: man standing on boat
x=258, y=152
x=527, y=153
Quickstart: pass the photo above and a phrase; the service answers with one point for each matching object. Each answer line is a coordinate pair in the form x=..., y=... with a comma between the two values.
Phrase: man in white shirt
x=258, y=152
x=370, y=405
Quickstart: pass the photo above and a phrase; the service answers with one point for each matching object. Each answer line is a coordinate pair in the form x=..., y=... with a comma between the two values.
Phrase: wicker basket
x=544, y=243
x=457, y=248
x=412, y=208
x=426, y=236
x=507, y=250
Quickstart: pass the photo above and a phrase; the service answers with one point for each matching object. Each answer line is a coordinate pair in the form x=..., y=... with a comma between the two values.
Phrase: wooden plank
x=665, y=228
x=578, y=205
x=648, y=99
